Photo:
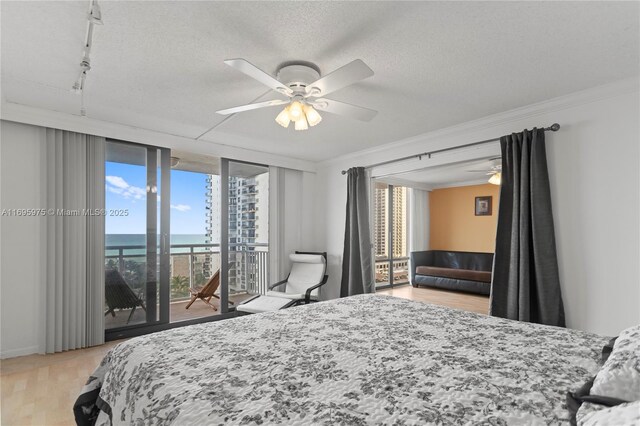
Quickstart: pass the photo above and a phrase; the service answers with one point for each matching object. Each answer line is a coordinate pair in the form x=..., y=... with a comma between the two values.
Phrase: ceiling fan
x=494, y=172
x=302, y=83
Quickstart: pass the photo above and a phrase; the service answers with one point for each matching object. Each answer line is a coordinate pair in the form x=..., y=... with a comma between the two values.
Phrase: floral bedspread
x=354, y=361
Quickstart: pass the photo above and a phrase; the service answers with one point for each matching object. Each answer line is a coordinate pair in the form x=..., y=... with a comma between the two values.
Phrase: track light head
x=95, y=14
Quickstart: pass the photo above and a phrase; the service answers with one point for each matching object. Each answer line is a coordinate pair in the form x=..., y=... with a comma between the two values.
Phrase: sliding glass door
x=245, y=206
x=137, y=179
x=390, y=235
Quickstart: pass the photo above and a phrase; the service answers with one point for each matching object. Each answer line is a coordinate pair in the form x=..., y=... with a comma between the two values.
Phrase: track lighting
x=95, y=14
x=95, y=18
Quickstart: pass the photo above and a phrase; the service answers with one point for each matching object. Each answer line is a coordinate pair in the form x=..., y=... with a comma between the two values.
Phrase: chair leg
x=131, y=314
x=210, y=304
x=193, y=299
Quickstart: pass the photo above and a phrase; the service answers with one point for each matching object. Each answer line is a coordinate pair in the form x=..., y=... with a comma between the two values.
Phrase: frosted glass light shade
x=295, y=111
x=313, y=117
x=496, y=179
x=301, y=124
x=283, y=118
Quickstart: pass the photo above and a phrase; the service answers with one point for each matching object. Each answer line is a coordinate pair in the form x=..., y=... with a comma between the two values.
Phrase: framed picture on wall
x=483, y=206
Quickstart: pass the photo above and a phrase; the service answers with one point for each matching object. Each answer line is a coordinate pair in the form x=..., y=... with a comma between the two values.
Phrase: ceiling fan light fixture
x=313, y=117
x=301, y=124
x=496, y=179
x=283, y=118
x=295, y=111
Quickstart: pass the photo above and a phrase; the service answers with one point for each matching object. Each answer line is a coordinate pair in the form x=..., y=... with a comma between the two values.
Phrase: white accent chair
x=301, y=286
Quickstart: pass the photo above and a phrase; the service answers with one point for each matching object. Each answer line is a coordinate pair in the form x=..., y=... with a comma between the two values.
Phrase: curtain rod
x=554, y=128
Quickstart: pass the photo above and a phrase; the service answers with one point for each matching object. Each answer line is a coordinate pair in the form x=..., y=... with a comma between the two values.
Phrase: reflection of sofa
x=452, y=270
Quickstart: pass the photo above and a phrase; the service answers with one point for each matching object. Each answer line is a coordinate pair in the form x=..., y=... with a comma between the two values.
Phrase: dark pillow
x=575, y=399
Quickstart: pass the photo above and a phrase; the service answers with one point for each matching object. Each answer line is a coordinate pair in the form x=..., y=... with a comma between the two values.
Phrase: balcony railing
x=400, y=271
x=193, y=264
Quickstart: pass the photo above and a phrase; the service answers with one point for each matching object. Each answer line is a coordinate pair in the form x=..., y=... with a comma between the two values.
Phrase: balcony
x=400, y=271
x=191, y=266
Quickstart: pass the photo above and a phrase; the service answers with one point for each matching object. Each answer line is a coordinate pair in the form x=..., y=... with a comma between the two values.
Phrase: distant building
x=381, y=224
x=248, y=228
x=213, y=207
x=399, y=221
x=381, y=221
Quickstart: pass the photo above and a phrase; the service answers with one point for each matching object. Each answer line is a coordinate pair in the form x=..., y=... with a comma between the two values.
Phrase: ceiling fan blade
x=249, y=107
x=351, y=73
x=256, y=73
x=343, y=108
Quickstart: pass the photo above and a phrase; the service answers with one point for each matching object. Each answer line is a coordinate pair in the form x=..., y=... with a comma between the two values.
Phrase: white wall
x=20, y=295
x=594, y=163
x=291, y=205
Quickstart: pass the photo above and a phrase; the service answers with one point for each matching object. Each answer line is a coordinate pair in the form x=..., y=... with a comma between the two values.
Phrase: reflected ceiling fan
x=494, y=172
x=306, y=89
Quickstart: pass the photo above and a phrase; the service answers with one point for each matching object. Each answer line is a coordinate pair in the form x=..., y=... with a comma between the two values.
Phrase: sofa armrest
x=420, y=258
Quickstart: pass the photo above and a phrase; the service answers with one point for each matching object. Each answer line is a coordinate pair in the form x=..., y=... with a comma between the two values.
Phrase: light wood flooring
x=451, y=299
x=41, y=389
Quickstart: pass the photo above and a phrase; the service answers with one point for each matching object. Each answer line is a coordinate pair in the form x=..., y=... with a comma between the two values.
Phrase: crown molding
x=611, y=90
x=10, y=111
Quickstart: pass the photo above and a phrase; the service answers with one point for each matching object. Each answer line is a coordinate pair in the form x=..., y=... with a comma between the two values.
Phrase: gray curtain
x=526, y=283
x=73, y=281
x=357, y=270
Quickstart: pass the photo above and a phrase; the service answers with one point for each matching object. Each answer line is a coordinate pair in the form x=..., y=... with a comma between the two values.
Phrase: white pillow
x=619, y=377
x=620, y=415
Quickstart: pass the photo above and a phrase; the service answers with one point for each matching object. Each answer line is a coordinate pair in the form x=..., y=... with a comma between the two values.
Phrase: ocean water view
x=125, y=240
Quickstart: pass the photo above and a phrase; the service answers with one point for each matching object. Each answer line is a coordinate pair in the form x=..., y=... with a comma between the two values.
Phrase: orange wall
x=453, y=223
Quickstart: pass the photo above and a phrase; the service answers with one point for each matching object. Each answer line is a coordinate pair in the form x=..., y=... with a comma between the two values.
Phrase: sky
x=125, y=190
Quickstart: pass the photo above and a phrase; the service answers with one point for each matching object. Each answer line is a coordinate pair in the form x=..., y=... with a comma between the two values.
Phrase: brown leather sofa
x=452, y=270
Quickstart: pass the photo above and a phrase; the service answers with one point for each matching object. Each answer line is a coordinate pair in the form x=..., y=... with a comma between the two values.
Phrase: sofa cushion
x=476, y=287
x=461, y=260
x=460, y=274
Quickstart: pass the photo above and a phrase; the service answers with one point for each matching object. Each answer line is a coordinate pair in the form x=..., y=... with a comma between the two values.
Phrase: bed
x=359, y=360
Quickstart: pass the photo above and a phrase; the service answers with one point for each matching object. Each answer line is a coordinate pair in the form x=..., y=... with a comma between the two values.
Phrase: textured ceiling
x=158, y=65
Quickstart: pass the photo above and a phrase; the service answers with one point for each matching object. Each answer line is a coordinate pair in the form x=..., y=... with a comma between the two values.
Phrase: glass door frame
x=390, y=237
x=224, y=231
x=225, y=311
x=157, y=284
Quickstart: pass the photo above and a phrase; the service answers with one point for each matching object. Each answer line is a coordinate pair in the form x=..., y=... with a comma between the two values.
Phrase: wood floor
x=451, y=299
x=41, y=389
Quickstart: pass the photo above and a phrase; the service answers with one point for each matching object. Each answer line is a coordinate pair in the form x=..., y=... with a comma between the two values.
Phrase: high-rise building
x=381, y=221
x=397, y=223
x=380, y=225
x=213, y=223
x=248, y=227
